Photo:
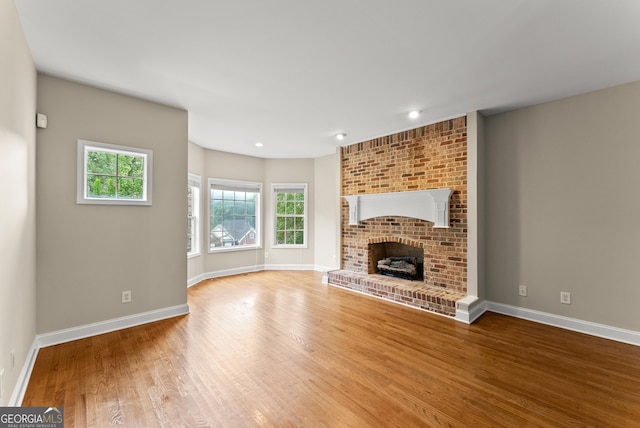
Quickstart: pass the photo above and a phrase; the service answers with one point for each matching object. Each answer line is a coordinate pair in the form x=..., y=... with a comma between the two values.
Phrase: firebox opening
x=396, y=259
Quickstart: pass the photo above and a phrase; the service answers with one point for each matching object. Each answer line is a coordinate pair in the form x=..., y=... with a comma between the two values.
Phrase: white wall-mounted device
x=41, y=120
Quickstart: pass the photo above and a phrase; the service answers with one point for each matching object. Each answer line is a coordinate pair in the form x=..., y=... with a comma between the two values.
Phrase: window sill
x=107, y=201
x=234, y=248
x=193, y=255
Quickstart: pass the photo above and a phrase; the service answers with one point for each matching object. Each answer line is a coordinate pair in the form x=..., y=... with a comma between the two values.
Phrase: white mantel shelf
x=430, y=205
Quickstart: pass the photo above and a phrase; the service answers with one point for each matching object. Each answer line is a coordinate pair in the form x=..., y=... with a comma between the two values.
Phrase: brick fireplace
x=425, y=158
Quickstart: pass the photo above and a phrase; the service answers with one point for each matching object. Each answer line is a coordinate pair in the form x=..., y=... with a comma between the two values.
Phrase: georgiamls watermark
x=31, y=417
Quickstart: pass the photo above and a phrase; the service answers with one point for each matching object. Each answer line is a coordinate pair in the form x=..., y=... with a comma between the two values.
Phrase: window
x=114, y=175
x=234, y=214
x=290, y=203
x=193, y=215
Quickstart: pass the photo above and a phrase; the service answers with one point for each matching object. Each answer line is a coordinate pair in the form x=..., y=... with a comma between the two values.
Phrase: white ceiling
x=292, y=73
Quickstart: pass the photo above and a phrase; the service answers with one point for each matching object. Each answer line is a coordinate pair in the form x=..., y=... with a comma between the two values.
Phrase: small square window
x=113, y=175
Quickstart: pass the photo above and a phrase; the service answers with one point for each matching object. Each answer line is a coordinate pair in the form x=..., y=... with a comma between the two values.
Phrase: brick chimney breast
x=426, y=158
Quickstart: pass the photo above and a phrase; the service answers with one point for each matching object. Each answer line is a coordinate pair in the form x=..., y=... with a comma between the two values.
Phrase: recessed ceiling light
x=341, y=136
x=259, y=144
x=414, y=114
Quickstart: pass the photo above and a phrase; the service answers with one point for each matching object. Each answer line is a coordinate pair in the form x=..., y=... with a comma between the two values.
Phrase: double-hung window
x=114, y=175
x=234, y=214
x=290, y=214
x=193, y=215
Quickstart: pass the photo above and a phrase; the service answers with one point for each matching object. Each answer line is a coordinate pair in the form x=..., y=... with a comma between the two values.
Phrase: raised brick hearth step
x=412, y=293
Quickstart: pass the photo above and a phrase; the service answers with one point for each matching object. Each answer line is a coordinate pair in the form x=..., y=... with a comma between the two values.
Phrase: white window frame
x=279, y=187
x=237, y=185
x=81, y=192
x=194, y=181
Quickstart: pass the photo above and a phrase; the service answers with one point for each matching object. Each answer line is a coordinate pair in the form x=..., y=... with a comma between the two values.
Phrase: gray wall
x=327, y=212
x=17, y=197
x=88, y=254
x=562, y=206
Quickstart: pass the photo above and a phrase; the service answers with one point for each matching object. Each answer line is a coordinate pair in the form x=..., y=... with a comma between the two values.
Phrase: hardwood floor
x=282, y=349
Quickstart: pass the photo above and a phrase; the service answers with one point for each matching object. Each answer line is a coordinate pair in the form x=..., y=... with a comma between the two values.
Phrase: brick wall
x=430, y=157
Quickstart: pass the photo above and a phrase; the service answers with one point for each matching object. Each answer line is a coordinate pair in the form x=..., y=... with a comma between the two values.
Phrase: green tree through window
x=114, y=175
x=290, y=214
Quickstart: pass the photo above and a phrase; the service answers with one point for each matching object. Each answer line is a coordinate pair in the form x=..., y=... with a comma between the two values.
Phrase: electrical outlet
x=126, y=297
x=522, y=290
x=565, y=297
x=13, y=359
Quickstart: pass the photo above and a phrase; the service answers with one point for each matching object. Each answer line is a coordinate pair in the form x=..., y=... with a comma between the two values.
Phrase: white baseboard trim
x=224, y=272
x=477, y=312
x=196, y=279
x=248, y=269
x=466, y=315
x=288, y=267
x=324, y=269
x=600, y=330
x=25, y=374
x=88, y=330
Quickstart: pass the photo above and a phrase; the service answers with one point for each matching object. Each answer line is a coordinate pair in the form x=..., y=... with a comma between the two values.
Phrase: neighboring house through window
x=193, y=215
x=234, y=214
x=113, y=175
x=290, y=214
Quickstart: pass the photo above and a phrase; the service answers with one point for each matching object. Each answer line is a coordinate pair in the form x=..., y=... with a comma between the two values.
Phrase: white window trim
x=81, y=190
x=280, y=186
x=259, y=225
x=195, y=181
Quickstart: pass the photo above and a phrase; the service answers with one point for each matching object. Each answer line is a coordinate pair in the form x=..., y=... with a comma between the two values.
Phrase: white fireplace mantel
x=430, y=205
